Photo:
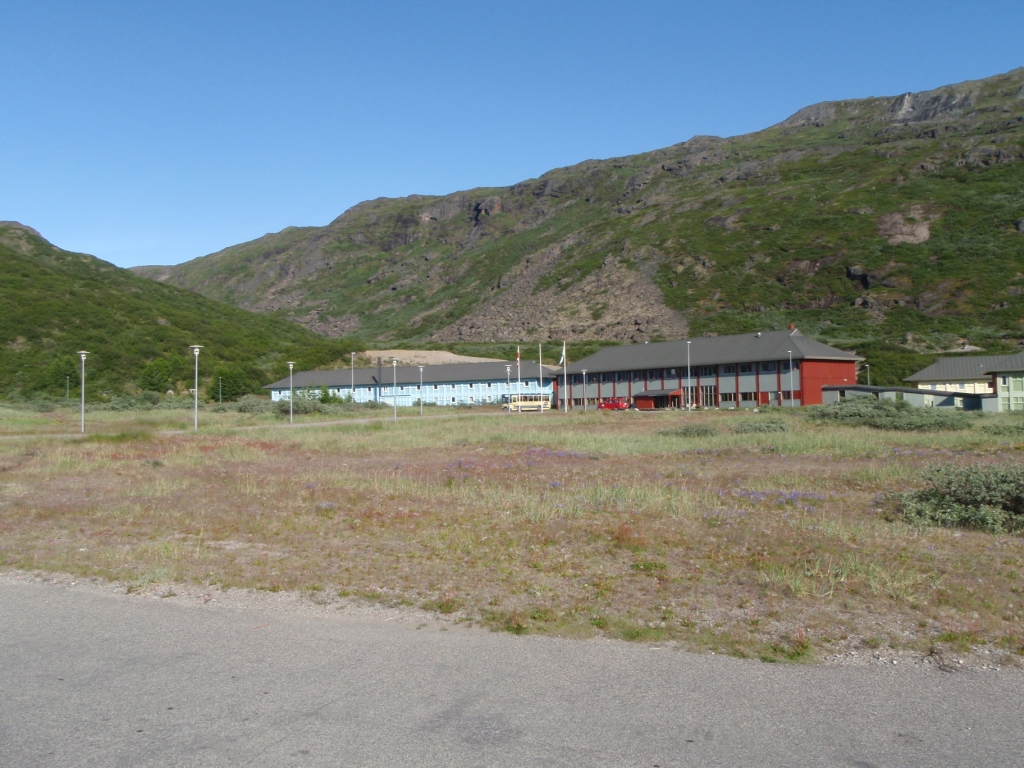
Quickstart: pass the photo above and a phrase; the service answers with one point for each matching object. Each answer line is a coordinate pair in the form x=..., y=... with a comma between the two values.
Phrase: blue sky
x=153, y=133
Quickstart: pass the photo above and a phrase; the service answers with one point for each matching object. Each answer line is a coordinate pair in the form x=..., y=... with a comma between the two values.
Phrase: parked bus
x=526, y=402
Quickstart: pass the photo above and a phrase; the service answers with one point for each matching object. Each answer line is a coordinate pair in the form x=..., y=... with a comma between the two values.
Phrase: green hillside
x=893, y=226
x=138, y=332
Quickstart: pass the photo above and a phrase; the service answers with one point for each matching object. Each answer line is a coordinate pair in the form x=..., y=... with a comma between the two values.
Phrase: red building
x=742, y=371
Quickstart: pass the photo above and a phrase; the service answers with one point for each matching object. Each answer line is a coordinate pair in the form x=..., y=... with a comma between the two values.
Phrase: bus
x=526, y=402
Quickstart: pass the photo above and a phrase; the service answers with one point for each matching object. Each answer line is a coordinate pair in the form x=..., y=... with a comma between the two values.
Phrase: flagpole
x=519, y=380
x=565, y=379
x=540, y=372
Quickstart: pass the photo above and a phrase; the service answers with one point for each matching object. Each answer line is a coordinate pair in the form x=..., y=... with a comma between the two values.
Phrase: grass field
x=779, y=545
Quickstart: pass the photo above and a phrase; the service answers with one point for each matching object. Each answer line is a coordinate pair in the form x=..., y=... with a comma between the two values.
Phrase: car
x=613, y=404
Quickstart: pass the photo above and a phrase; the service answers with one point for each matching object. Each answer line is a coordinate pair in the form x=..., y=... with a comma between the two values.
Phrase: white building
x=455, y=384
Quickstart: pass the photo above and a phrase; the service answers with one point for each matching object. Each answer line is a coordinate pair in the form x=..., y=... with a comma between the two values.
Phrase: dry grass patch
x=780, y=545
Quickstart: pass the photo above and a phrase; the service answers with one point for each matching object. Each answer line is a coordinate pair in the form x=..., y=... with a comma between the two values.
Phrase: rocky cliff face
x=710, y=235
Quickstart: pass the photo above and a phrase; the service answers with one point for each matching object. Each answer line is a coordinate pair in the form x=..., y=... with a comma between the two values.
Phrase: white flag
x=562, y=361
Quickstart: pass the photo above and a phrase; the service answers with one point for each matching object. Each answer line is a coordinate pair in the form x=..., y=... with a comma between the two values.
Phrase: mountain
x=137, y=331
x=892, y=225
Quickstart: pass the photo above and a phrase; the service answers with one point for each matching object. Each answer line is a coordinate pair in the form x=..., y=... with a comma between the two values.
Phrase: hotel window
x=746, y=367
x=767, y=367
x=727, y=369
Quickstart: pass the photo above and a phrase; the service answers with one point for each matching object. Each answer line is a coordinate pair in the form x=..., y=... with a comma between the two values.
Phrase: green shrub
x=254, y=404
x=1005, y=430
x=988, y=498
x=889, y=415
x=691, y=430
x=751, y=427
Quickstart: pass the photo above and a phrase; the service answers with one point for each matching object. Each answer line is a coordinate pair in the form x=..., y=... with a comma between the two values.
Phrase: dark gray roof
x=410, y=374
x=1008, y=364
x=711, y=350
x=959, y=368
x=907, y=390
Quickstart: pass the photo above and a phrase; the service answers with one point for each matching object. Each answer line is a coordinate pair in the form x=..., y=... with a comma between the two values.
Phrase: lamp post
x=394, y=386
x=421, y=390
x=688, y=377
x=82, y=355
x=195, y=353
x=792, y=397
x=291, y=394
x=584, y=390
x=352, y=356
x=508, y=386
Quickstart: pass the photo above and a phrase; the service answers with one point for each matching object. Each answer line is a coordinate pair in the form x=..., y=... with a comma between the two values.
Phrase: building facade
x=781, y=368
x=1008, y=382
x=455, y=384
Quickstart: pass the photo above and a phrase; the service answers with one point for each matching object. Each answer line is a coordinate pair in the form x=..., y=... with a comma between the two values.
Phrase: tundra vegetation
x=783, y=544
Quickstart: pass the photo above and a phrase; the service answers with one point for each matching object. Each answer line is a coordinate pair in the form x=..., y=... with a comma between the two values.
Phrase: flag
x=562, y=361
x=517, y=357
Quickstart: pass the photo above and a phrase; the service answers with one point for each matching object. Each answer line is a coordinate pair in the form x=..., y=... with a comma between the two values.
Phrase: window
x=488, y=386
x=592, y=378
x=638, y=375
x=727, y=368
x=471, y=399
x=654, y=373
x=622, y=376
x=728, y=397
x=1004, y=380
x=746, y=367
x=453, y=399
x=435, y=386
x=419, y=387
x=707, y=370
x=747, y=396
x=577, y=378
x=961, y=386
x=767, y=367
x=471, y=385
x=671, y=373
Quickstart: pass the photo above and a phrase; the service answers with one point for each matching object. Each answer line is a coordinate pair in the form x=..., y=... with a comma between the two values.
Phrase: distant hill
x=137, y=331
x=894, y=226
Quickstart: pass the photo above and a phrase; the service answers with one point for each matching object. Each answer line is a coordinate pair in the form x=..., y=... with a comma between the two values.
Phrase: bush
x=691, y=430
x=988, y=498
x=253, y=404
x=1005, y=430
x=750, y=427
x=888, y=414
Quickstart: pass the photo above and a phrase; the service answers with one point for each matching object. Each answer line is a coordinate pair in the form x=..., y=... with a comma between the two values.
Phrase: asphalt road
x=91, y=677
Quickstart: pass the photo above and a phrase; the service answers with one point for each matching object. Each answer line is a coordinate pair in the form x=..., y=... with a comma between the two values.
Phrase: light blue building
x=455, y=384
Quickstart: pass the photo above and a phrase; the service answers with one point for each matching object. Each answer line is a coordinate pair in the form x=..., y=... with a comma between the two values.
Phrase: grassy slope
x=56, y=303
x=751, y=232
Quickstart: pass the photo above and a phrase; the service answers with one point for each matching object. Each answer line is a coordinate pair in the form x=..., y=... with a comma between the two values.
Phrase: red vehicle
x=613, y=404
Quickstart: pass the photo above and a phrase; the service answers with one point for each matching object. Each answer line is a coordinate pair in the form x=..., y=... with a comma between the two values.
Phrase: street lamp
x=291, y=395
x=792, y=397
x=394, y=386
x=584, y=390
x=82, y=355
x=195, y=352
x=421, y=390
x=688, y=393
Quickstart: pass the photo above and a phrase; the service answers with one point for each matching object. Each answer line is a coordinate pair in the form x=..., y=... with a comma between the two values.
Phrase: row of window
x=385, y=387
x=659, y=374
